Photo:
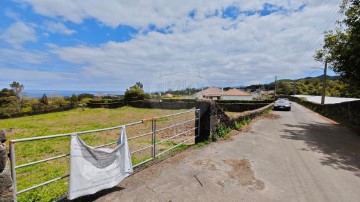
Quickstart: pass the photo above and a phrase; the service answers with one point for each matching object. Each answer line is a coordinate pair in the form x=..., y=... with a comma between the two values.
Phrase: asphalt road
x=300, y=156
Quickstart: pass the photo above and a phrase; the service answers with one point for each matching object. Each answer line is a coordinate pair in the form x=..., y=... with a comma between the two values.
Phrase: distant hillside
x=332, y=78
x=310, y=86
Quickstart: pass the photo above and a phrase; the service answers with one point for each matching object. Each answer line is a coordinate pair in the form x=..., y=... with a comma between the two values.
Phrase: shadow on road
x=98, y=195
x=339, y=145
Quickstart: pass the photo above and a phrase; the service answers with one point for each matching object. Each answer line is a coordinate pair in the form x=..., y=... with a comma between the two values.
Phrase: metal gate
x=165, y=134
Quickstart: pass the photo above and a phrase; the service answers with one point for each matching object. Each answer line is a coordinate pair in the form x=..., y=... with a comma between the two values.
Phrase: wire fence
x=47, y=161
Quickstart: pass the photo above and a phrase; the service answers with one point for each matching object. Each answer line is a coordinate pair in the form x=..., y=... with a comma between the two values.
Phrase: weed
x=222, y=131
x=136, y=160
x=202, y=144
x=162, y=119
x=268, y=111
x=176, y=149
x=239, y=124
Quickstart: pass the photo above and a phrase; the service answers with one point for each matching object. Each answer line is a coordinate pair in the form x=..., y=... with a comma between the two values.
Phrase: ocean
x=40, y=93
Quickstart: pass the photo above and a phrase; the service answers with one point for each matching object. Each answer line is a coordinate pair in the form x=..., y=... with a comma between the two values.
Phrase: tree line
x=313, y=86
x=13, y=101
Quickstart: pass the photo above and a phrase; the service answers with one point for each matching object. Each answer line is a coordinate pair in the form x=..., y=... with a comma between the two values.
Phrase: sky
x=110, y=45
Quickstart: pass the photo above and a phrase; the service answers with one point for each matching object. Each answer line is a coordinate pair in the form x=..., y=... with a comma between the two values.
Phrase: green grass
x=66, y=122
x=202, y=144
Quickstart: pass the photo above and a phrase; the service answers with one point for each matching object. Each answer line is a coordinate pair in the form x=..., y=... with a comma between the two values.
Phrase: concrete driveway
x=299, y=156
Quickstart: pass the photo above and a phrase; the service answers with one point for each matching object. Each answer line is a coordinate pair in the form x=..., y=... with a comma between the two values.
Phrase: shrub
x=239, y=124
x=222, y=131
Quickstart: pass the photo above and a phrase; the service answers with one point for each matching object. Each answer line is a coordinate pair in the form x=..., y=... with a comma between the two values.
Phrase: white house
x=214, y=93
x=211, y=93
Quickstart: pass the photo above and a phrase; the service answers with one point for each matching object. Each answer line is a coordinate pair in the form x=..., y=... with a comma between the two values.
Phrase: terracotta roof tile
x=236, y=92
x=213, y=91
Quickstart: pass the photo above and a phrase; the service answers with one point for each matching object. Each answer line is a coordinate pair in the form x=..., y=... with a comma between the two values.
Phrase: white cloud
x=18, y=33
x=249, y=49
x=57, y=27
x=141, y=13
x=22, y=57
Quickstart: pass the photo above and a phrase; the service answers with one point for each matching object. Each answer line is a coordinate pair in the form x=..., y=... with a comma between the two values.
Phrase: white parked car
x=282, y=104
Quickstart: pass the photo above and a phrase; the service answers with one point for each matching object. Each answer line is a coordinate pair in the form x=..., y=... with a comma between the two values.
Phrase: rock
x=2, y=136
x=3, y=157
x=6, y=188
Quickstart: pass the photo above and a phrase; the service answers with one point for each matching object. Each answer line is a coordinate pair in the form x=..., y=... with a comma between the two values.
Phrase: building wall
x=226, y=97
x=198, y=96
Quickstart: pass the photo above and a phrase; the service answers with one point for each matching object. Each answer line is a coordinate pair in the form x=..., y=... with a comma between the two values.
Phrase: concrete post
x=205, y=115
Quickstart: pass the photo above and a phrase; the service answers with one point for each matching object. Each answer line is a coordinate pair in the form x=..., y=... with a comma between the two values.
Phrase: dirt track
x=300, y=156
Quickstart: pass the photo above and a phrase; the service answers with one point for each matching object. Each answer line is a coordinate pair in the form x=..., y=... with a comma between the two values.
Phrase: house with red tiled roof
x=214, y=93
x=236, y=94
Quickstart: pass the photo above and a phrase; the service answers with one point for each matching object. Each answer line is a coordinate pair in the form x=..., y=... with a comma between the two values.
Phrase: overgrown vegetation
x=341, y=49
x=221, y=132
x=135, y=92
x=313, y=86
x=239, y=124
x=335, y=87
x=14, y=101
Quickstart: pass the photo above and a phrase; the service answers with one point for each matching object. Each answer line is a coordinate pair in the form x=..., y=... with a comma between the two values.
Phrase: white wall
x=198, y=96
x=227, y=97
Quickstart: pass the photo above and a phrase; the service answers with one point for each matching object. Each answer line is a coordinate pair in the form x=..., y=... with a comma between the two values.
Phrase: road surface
x=299, y=156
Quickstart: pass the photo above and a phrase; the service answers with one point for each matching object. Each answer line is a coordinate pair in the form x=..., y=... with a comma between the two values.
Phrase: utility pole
x=275, y=88
x=324, y=85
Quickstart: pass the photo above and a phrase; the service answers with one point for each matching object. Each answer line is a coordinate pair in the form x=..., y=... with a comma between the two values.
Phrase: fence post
x=197, y=121
x=203, y=122
x=153, y=138
x=13, y=165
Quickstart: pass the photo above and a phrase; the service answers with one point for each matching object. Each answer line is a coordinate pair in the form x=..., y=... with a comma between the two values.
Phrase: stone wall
x=6, y=188
x=346, y=112
x=212, y=112
x=241, y=107
x=21, y=114
x=218, y=116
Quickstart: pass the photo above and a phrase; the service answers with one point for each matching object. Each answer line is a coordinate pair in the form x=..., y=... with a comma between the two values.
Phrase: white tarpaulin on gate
x=94, y=169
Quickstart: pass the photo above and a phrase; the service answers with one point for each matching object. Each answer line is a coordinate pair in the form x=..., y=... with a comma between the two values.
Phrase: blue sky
x=92, y=45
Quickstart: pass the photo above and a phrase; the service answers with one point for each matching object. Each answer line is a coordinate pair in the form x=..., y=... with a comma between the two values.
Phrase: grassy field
x=80, y=120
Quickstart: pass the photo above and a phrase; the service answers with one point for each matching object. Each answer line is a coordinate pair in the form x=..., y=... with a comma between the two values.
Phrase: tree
x=8, y=102
x=135, y=92
x=44, y=100
x=17, y=89
x=73, y=99
x=341, y=47
x=139, y=84
x=85, y=95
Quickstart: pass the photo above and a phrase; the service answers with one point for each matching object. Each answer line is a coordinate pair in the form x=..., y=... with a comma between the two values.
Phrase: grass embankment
x=71, y=121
